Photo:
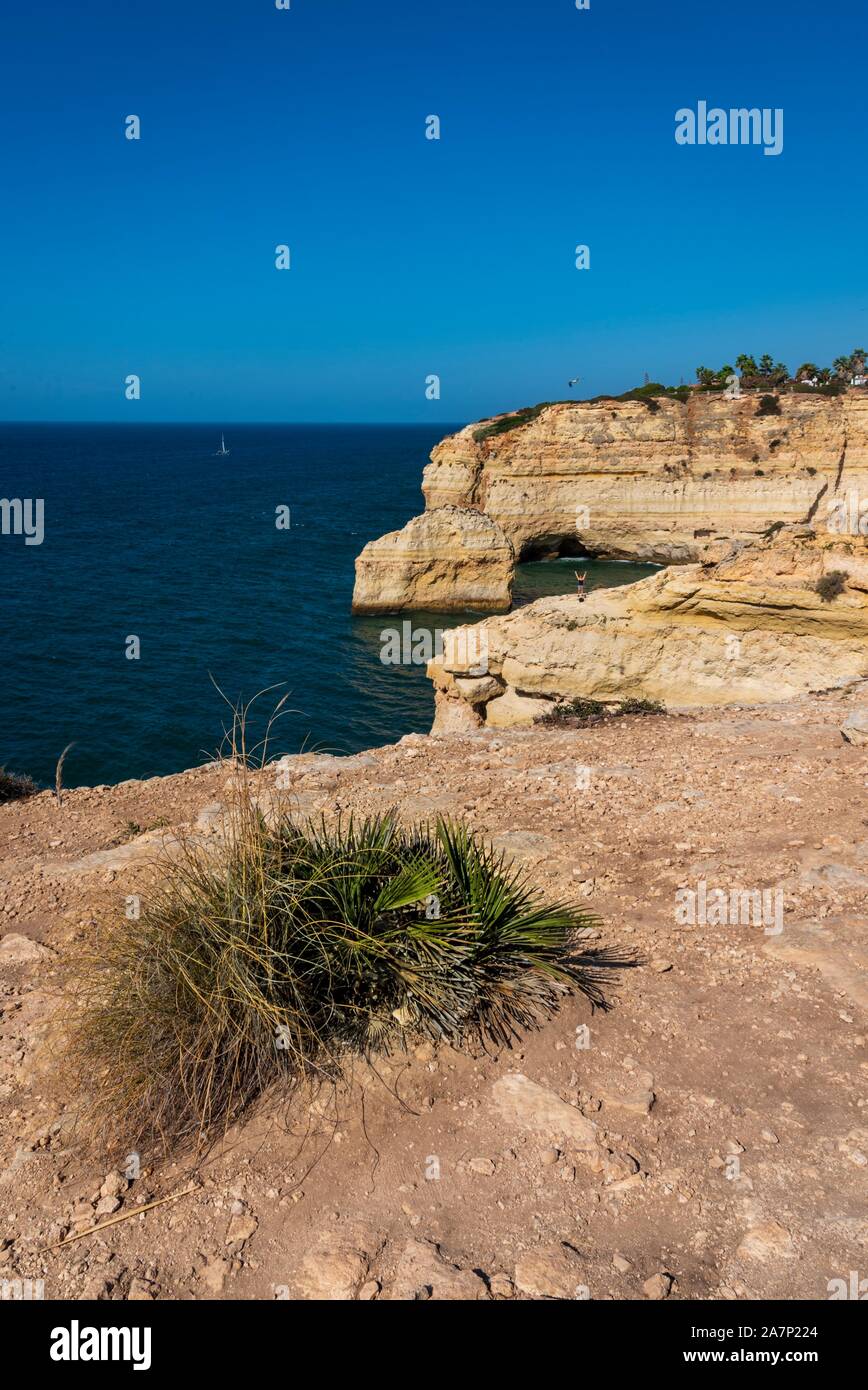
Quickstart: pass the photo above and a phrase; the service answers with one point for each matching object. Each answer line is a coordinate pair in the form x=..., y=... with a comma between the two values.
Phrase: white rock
x=526, y=1106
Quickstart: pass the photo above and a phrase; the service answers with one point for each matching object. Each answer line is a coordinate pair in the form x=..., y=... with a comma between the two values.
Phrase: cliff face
x=655, y=483
x=621, y=479
x=451, y=558
x=748, y=628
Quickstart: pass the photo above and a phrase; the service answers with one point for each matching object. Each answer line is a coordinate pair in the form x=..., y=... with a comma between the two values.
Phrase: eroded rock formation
x=453, y=558
x=651, y=481
x=750, y=627
x=654, y=483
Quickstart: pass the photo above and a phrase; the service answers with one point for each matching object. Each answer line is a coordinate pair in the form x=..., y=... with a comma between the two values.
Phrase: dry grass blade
x=123, y=1216
x=58, y=774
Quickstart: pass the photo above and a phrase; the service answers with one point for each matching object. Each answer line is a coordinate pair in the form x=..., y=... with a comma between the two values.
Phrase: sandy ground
x=710, y=1141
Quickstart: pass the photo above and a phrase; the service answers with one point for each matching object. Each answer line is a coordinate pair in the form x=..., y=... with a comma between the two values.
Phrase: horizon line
x=234, y=424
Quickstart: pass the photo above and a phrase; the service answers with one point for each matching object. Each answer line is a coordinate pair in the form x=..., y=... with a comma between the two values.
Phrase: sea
x=173, y=583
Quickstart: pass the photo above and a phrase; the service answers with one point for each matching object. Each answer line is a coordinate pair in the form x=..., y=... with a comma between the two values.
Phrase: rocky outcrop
x=452, y=558
x=855, y=728
x=750, y=627
x=650, y=481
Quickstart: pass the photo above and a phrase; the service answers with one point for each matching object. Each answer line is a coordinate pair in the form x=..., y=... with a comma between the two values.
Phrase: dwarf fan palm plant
x=297, y=945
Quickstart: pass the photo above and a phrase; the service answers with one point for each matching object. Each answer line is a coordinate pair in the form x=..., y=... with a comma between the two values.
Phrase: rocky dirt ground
x=710, y=1141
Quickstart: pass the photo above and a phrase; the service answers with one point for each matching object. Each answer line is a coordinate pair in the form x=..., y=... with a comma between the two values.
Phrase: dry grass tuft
x=15, y=787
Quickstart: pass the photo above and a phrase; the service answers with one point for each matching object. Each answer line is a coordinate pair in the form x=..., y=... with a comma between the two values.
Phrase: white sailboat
x=222, y=450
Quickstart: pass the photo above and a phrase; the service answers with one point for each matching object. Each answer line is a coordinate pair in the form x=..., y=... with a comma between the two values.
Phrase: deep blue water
x=148, y=534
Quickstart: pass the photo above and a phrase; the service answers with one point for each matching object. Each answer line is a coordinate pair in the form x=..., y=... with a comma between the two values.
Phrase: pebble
x=658, y=1286
x=141, y=1291
x=114, y=1185
x=483, y=1167
x=241, y=1227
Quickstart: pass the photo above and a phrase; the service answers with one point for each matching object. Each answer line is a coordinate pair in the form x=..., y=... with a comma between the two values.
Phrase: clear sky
x=409, y=256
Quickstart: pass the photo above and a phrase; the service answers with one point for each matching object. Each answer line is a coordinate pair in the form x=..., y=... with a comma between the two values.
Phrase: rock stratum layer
x=624, y=479
x=750, y=627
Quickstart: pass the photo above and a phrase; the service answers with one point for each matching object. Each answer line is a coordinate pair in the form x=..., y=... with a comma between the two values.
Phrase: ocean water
x=148, y=534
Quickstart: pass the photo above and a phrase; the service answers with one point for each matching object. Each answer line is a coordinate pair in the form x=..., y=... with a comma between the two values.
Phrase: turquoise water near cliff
x=148, y=534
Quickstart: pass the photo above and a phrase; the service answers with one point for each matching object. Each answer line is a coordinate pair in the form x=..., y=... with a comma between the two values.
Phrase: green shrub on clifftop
x=297, y=946
x=510, y=422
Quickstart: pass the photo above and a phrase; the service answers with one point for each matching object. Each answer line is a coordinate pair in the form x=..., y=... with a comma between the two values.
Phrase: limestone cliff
x=448, y=559
x=632, y=480
x=750, y=627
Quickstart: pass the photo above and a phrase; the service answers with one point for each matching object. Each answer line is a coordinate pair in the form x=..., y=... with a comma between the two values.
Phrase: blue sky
x=412, y=257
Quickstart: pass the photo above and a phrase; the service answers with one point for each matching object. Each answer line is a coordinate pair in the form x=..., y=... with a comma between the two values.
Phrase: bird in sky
x=574, y=381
